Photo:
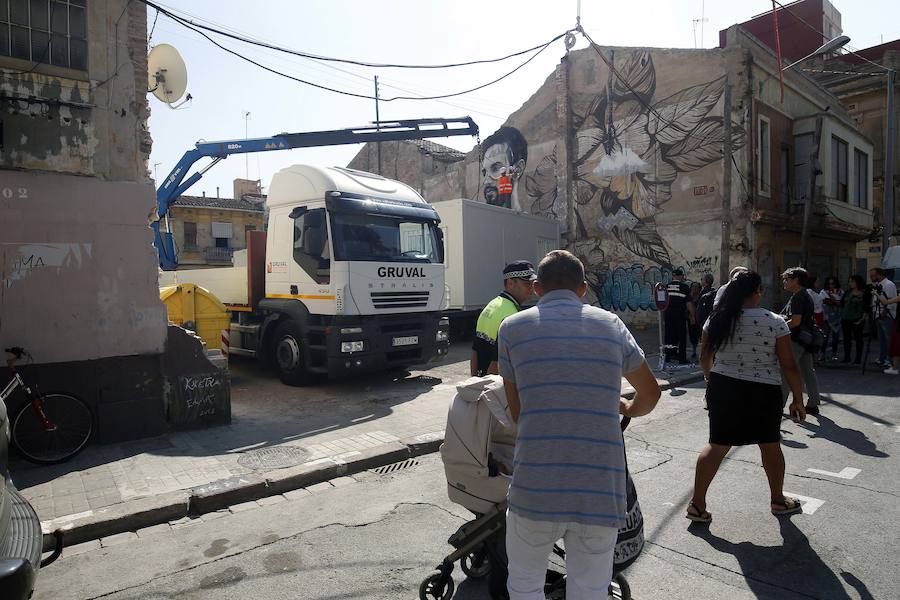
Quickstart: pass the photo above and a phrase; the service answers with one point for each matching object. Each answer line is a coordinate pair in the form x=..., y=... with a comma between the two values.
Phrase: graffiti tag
x=629, y=288
x=703, y=263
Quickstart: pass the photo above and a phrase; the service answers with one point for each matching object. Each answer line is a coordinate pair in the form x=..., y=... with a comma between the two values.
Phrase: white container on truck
x=481, y=239
x=353, y=277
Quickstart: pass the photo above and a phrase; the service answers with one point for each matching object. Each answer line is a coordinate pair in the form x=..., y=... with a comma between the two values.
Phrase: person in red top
x=504, y=189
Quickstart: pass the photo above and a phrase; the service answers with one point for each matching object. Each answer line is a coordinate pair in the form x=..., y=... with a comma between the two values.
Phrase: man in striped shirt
x=562, y=364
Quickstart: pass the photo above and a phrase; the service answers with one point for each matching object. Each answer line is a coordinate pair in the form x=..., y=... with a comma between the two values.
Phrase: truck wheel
x=287, y=355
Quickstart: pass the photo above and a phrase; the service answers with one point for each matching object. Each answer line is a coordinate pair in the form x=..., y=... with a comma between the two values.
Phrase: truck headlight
x=352, y=346
x=442, y=336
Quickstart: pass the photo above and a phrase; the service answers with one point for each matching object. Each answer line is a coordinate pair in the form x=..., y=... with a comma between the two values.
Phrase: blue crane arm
x=176, y=183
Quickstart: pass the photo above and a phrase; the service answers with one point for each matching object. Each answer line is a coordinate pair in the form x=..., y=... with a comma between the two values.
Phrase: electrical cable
x=360, y=63
x=188, y=25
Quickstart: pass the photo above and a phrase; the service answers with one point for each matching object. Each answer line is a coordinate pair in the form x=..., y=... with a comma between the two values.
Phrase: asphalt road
x=376, y=536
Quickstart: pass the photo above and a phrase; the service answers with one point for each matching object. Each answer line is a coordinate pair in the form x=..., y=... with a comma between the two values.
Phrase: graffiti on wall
x=502, y=166
x=19, y=261
x=702, y=264
x=628, y=288
x=630, y=147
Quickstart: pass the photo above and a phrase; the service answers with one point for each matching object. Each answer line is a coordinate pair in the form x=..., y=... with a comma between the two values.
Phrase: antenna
x=701, y=21
x=167, y=75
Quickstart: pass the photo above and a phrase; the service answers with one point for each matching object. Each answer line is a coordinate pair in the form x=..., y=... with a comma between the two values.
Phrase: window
x=861, y=164
x=385, y=239
x=52, y=32
x=839, y=168
x=190, y=232
x=311, y=245
x=784, y=175
x=764, y=153
x=221, y=242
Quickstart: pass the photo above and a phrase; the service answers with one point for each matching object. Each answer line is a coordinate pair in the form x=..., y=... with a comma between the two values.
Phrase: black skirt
x=743, y=412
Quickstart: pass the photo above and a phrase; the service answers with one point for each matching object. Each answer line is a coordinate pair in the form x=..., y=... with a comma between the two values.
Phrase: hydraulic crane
x=177, y=182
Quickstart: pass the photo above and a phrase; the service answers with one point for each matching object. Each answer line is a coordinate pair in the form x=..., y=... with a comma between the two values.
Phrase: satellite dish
x=167, y=75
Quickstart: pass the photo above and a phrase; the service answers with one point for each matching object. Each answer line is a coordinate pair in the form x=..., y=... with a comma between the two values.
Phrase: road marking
x=845, y=473
x=810, y=505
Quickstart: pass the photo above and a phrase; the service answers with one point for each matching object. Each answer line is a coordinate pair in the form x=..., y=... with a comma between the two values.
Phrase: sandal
x=698, y=516
x=789, y=506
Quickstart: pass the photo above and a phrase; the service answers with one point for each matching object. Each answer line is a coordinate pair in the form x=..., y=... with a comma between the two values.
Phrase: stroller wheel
x=475, y=564
x=436, y=587
x=619, y=588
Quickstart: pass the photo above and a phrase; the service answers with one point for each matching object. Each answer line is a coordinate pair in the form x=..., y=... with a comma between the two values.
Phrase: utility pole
x=727, y=163
x=246, y=136
x=377, y=125
x=888, y=167
x=814, y=171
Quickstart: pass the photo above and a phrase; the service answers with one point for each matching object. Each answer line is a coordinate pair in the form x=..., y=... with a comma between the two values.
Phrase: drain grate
x=279, y=457
x=398, y=466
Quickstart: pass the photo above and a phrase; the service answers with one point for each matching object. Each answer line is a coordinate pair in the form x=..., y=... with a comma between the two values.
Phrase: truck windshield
x=384, y=239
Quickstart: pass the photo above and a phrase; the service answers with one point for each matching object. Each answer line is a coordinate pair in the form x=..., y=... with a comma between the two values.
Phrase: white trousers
x=589, y=557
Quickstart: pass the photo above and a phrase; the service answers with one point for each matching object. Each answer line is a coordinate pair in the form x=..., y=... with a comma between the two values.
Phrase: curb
x=156, y=510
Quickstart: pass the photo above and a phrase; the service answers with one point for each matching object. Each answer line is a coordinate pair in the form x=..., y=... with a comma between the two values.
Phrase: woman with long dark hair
x=743, y=352
x=853, y=317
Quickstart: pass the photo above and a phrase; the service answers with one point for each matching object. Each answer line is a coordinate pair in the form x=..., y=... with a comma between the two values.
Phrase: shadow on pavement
x=859, y=586
x=264, y=413
x=849, y=438
x=792, y=568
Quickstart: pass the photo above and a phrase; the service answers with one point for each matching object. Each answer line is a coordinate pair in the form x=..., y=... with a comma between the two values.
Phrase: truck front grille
x=383, y=300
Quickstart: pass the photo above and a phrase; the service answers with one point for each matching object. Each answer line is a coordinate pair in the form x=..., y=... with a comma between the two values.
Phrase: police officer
x=676, y=316
x=517, y=279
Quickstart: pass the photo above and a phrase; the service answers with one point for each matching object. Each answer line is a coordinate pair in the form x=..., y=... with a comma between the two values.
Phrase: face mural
x=629, y=149
x=503, y=164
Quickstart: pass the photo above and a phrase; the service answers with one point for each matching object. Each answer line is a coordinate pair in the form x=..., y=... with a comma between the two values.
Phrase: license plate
x=406, y=341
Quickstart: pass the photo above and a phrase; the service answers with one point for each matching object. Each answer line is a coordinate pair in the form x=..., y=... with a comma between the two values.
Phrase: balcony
x=218, y=256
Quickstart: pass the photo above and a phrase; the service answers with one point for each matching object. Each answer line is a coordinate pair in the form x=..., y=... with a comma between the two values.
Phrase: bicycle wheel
x=71, y=424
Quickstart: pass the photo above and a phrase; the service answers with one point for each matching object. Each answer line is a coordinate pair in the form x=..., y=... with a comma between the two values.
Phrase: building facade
x=79, y=272
x=207, y=231
x=653, y=159
x=862, y=87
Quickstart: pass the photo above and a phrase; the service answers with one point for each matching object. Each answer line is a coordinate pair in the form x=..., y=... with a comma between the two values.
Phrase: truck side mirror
x=298, y=212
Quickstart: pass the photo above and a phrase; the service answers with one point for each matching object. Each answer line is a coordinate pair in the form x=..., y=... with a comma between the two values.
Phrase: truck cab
x=354, y=276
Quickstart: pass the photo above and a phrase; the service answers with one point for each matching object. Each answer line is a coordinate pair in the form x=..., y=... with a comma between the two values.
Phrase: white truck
x=351, y=279
x=479, y=241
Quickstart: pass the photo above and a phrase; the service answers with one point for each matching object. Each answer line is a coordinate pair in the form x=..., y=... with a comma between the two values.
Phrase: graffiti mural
x=630, y=147
x=502, y=166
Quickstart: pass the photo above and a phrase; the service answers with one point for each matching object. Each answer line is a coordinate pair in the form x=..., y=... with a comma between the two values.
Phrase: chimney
x=217, y=192
x=204, y=193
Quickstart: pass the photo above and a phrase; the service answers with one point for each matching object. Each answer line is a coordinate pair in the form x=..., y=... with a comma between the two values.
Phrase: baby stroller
x=477, y=453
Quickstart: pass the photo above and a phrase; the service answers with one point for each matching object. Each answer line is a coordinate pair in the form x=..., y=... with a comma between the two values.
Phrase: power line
x=185, y=23
x=357, y=80
x=360, y=63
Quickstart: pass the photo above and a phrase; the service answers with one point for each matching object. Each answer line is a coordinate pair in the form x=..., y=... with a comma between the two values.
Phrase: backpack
x=705, y=305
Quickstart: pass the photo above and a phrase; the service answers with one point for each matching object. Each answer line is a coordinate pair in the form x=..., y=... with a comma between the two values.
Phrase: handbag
x=810, y=337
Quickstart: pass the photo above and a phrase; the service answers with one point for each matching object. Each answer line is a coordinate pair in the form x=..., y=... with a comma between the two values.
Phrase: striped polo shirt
x=567, y=360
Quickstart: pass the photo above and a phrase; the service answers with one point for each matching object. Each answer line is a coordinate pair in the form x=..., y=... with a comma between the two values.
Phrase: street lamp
x=829, y=46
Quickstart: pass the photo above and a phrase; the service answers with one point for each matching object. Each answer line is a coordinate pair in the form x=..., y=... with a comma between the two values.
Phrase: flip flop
x=699, y=516
x=789, y=506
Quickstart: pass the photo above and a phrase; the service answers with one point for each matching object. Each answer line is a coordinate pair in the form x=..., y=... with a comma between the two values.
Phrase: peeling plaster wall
x=78, y=274
x=86, y=123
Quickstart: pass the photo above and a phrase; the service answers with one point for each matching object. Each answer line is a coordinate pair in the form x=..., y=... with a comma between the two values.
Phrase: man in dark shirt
x=676, y=316
x=799, y=314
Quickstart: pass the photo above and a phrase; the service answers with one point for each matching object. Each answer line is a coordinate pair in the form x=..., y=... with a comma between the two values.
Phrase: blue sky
x=405, y=31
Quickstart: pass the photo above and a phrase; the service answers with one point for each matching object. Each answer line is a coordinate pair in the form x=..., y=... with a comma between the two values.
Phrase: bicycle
x=49, y=428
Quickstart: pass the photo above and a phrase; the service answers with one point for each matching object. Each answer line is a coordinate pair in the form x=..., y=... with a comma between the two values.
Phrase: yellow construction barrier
x=196, y=308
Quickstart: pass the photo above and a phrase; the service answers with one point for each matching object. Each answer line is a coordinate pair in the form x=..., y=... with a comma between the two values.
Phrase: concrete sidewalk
x=281, y=439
